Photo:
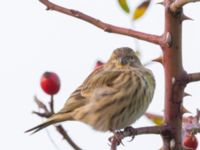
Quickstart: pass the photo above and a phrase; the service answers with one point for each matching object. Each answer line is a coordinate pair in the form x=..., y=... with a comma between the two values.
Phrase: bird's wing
x=75, y=100
x=98, y=79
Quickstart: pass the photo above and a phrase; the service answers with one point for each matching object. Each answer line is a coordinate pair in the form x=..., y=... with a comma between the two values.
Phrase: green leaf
x=124, y=5
x=141, y=9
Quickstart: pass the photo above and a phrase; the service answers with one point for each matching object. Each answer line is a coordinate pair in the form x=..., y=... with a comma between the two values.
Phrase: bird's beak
x=123, y=60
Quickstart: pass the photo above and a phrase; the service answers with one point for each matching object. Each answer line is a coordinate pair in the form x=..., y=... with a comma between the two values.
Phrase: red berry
x=190, y=141
x=98, y=64
x=50, y=83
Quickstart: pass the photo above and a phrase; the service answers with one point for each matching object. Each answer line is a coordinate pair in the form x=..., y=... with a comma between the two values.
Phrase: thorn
x=159, y=59
x=184, y=110
x=186, y=94
x=184, y=17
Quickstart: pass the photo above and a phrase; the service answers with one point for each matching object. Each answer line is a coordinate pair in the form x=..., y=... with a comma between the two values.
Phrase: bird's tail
x=52, y=120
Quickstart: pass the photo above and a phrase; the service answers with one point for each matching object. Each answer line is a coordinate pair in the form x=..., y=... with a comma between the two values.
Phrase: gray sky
x=34, y=41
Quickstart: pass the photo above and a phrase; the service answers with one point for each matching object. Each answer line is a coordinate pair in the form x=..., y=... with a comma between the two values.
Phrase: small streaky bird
x=112, y=97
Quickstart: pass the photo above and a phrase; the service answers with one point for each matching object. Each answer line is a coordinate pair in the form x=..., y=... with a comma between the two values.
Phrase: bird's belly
x=115, y=116
x=129, y=116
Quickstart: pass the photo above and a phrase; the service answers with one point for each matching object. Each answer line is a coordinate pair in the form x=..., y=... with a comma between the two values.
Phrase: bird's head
x=124, y=57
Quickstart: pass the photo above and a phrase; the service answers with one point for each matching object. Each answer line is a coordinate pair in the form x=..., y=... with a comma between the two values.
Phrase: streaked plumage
x=113, y=96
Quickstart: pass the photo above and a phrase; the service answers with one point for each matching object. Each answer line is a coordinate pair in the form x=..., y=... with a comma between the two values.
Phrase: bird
x=112, y=97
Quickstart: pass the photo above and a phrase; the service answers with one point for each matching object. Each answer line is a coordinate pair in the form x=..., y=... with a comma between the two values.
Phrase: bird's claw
x=132, y=131
x=116, y=138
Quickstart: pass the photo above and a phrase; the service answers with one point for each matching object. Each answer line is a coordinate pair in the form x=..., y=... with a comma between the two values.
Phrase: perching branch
x=176, y=5
x=193, y=77
x=105, y=26
x=132, y=132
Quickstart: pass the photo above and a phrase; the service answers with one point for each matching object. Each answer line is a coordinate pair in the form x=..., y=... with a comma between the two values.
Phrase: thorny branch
x=132, y=132
x=59, y=128
x=105, y=26
x=177, y=4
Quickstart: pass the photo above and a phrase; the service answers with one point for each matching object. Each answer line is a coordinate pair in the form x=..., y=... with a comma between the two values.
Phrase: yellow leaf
x=141, y=9
x=157, y=119
x=124, y=5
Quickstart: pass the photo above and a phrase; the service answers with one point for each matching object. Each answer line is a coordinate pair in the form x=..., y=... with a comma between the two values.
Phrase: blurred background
x=34, y=41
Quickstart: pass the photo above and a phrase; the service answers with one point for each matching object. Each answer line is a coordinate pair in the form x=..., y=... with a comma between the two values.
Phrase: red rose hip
x=190, y=141
x=50, y=83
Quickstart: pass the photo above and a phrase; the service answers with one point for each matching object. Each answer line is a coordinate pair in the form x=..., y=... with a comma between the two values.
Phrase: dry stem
x=105, y=26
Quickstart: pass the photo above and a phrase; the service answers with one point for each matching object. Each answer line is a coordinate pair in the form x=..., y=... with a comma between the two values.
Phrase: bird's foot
x=116, y=138
x=130, y=131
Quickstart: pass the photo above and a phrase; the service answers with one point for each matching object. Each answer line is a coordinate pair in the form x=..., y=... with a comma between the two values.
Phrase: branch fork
x=48, y=113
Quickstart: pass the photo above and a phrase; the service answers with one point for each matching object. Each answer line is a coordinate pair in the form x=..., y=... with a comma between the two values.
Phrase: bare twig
x=48, y=113
x=177, y=4
x=52, y=104
x=40, y=104
x=129, y=131
x=105, y=26
x=61, y=130
x=193, y=77
x=44, y=115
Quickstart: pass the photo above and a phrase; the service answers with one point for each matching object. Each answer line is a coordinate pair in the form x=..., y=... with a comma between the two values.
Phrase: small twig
x=40, y=104
x=105, y=26
x=48, y=113
x=193, y=77
x=44, y=115
x=52, y=104
x=61, y=130
x=129, y=131
x=177, y=4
